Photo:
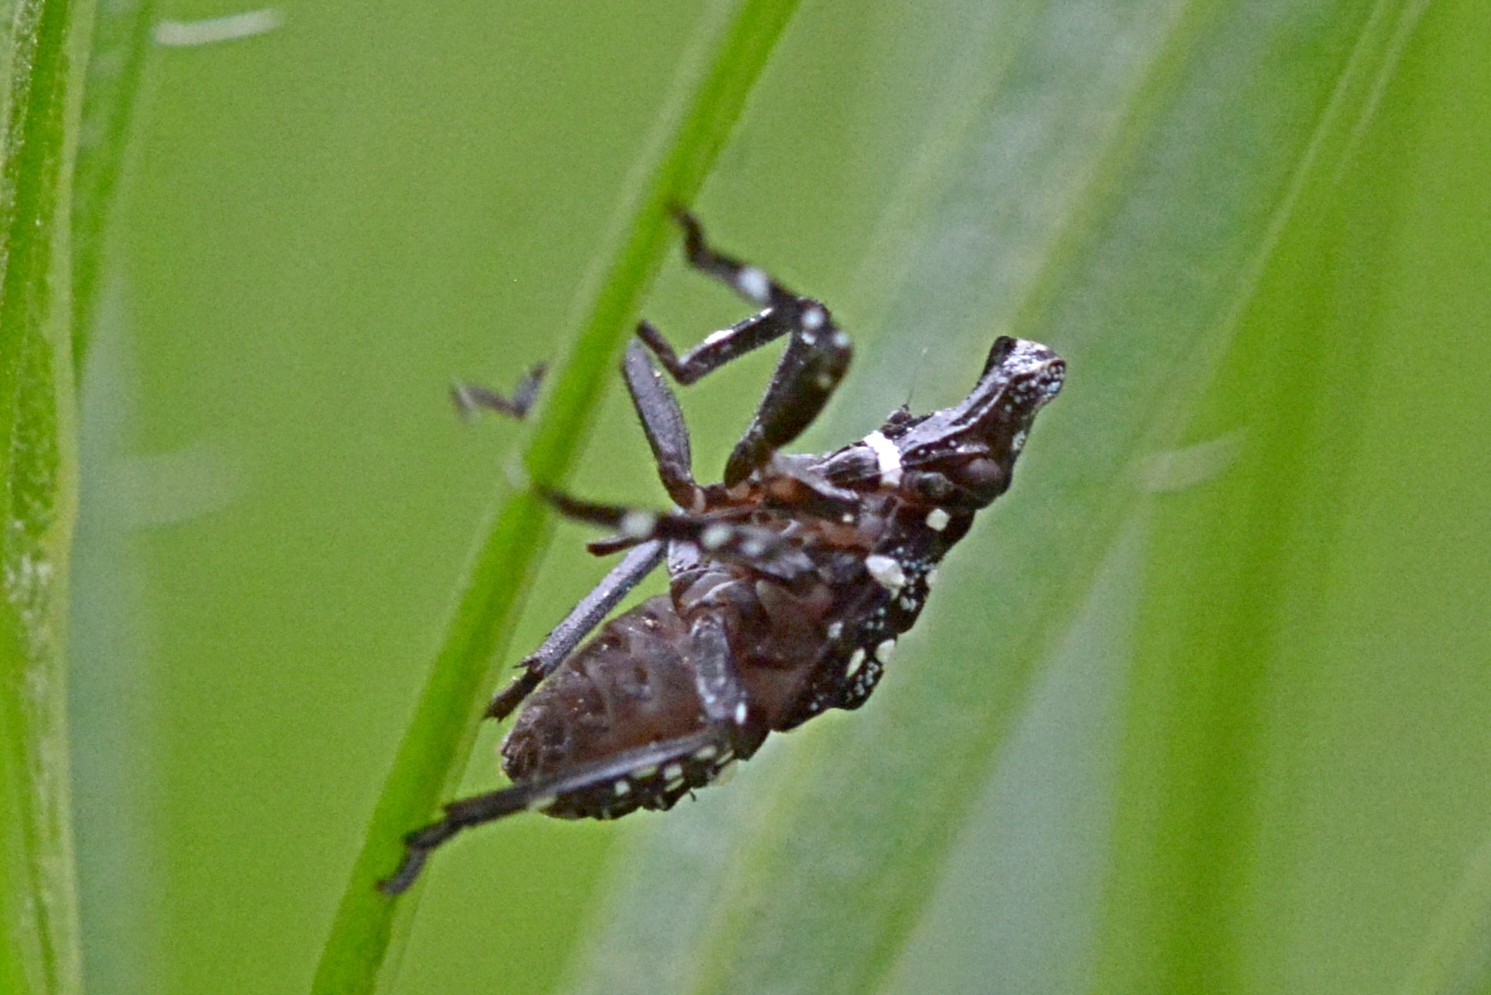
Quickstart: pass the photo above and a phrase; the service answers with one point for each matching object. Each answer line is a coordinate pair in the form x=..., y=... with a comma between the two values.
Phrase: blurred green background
x=1252, y=751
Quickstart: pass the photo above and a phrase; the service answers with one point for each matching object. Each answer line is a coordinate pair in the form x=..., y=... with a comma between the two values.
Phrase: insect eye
x=984, y=477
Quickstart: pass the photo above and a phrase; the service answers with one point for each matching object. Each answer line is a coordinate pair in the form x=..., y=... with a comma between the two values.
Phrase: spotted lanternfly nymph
x=790, y=581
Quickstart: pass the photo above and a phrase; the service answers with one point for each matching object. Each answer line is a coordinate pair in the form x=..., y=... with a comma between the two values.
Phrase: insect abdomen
x=629, y=687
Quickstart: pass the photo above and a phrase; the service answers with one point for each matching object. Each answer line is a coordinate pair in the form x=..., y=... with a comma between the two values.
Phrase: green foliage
x=41, y=52
x=1198, y=707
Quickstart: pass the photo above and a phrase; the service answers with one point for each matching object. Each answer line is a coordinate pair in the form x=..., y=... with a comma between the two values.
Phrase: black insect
x=790, y=581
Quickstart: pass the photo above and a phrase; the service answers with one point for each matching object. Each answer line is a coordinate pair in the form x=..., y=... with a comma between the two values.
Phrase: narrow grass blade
x=735, y=39
x=120, y=44
x=43, y=54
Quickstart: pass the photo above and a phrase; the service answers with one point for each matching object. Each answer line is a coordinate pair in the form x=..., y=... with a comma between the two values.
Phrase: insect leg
x=663, y=425
x=470, y=398
x=478, y=809
x=817, y=356
x=719, y=687
x=750, y=282
x=585, y=616
x=755, y=546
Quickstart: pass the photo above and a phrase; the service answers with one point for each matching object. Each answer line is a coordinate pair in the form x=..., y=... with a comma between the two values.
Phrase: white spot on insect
x=931, y=577
x=1018, y=442
x=714, y=536
x=847, y=518
x=673, y=772
x=755, y=284
x=840, y=340
x=540, y=803
x=637, y=524
x=753, y=547
x=740, y=714
x=824, y=381
x=856, y=660
x=937, y=519
x=888, y=457
x=887, y=572
x=836, y=630
x=812, y=319
x=726, y=773
x=715, y=338
x=621, y=788
x=645, y=772
x=674, y=784
x=908, y=604
x=705, y=753
x=885, y=650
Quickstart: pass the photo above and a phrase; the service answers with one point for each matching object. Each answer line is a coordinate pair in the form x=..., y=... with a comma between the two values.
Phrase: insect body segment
x=790, y=581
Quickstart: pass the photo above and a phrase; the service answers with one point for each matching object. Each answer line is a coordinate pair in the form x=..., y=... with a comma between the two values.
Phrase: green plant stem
x=734, y=41
x=45, y=50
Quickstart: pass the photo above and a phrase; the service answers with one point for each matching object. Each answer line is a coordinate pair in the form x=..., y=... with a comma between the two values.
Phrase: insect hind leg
x=653, y=770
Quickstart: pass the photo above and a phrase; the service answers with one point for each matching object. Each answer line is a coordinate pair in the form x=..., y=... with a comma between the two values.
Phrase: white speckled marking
x=937, y=519
x=931, y=577
x=672, y=772
x=889, y=458
x=740, y=714
x=856, y=660
x=812, y=319
x=885, y=650
x=621, y=788
x=645, y=772
x=754, y=283
x=836, y=630
x=886, y=571
x=637, y=524
x=715, y=536
x=840, y=340
x=705, y=753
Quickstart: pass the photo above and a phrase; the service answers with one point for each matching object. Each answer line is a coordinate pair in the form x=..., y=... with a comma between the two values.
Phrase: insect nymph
x=790, y=581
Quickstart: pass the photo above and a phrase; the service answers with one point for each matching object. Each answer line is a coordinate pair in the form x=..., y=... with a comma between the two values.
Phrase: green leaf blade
x=733, y=44
x=44, y=52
